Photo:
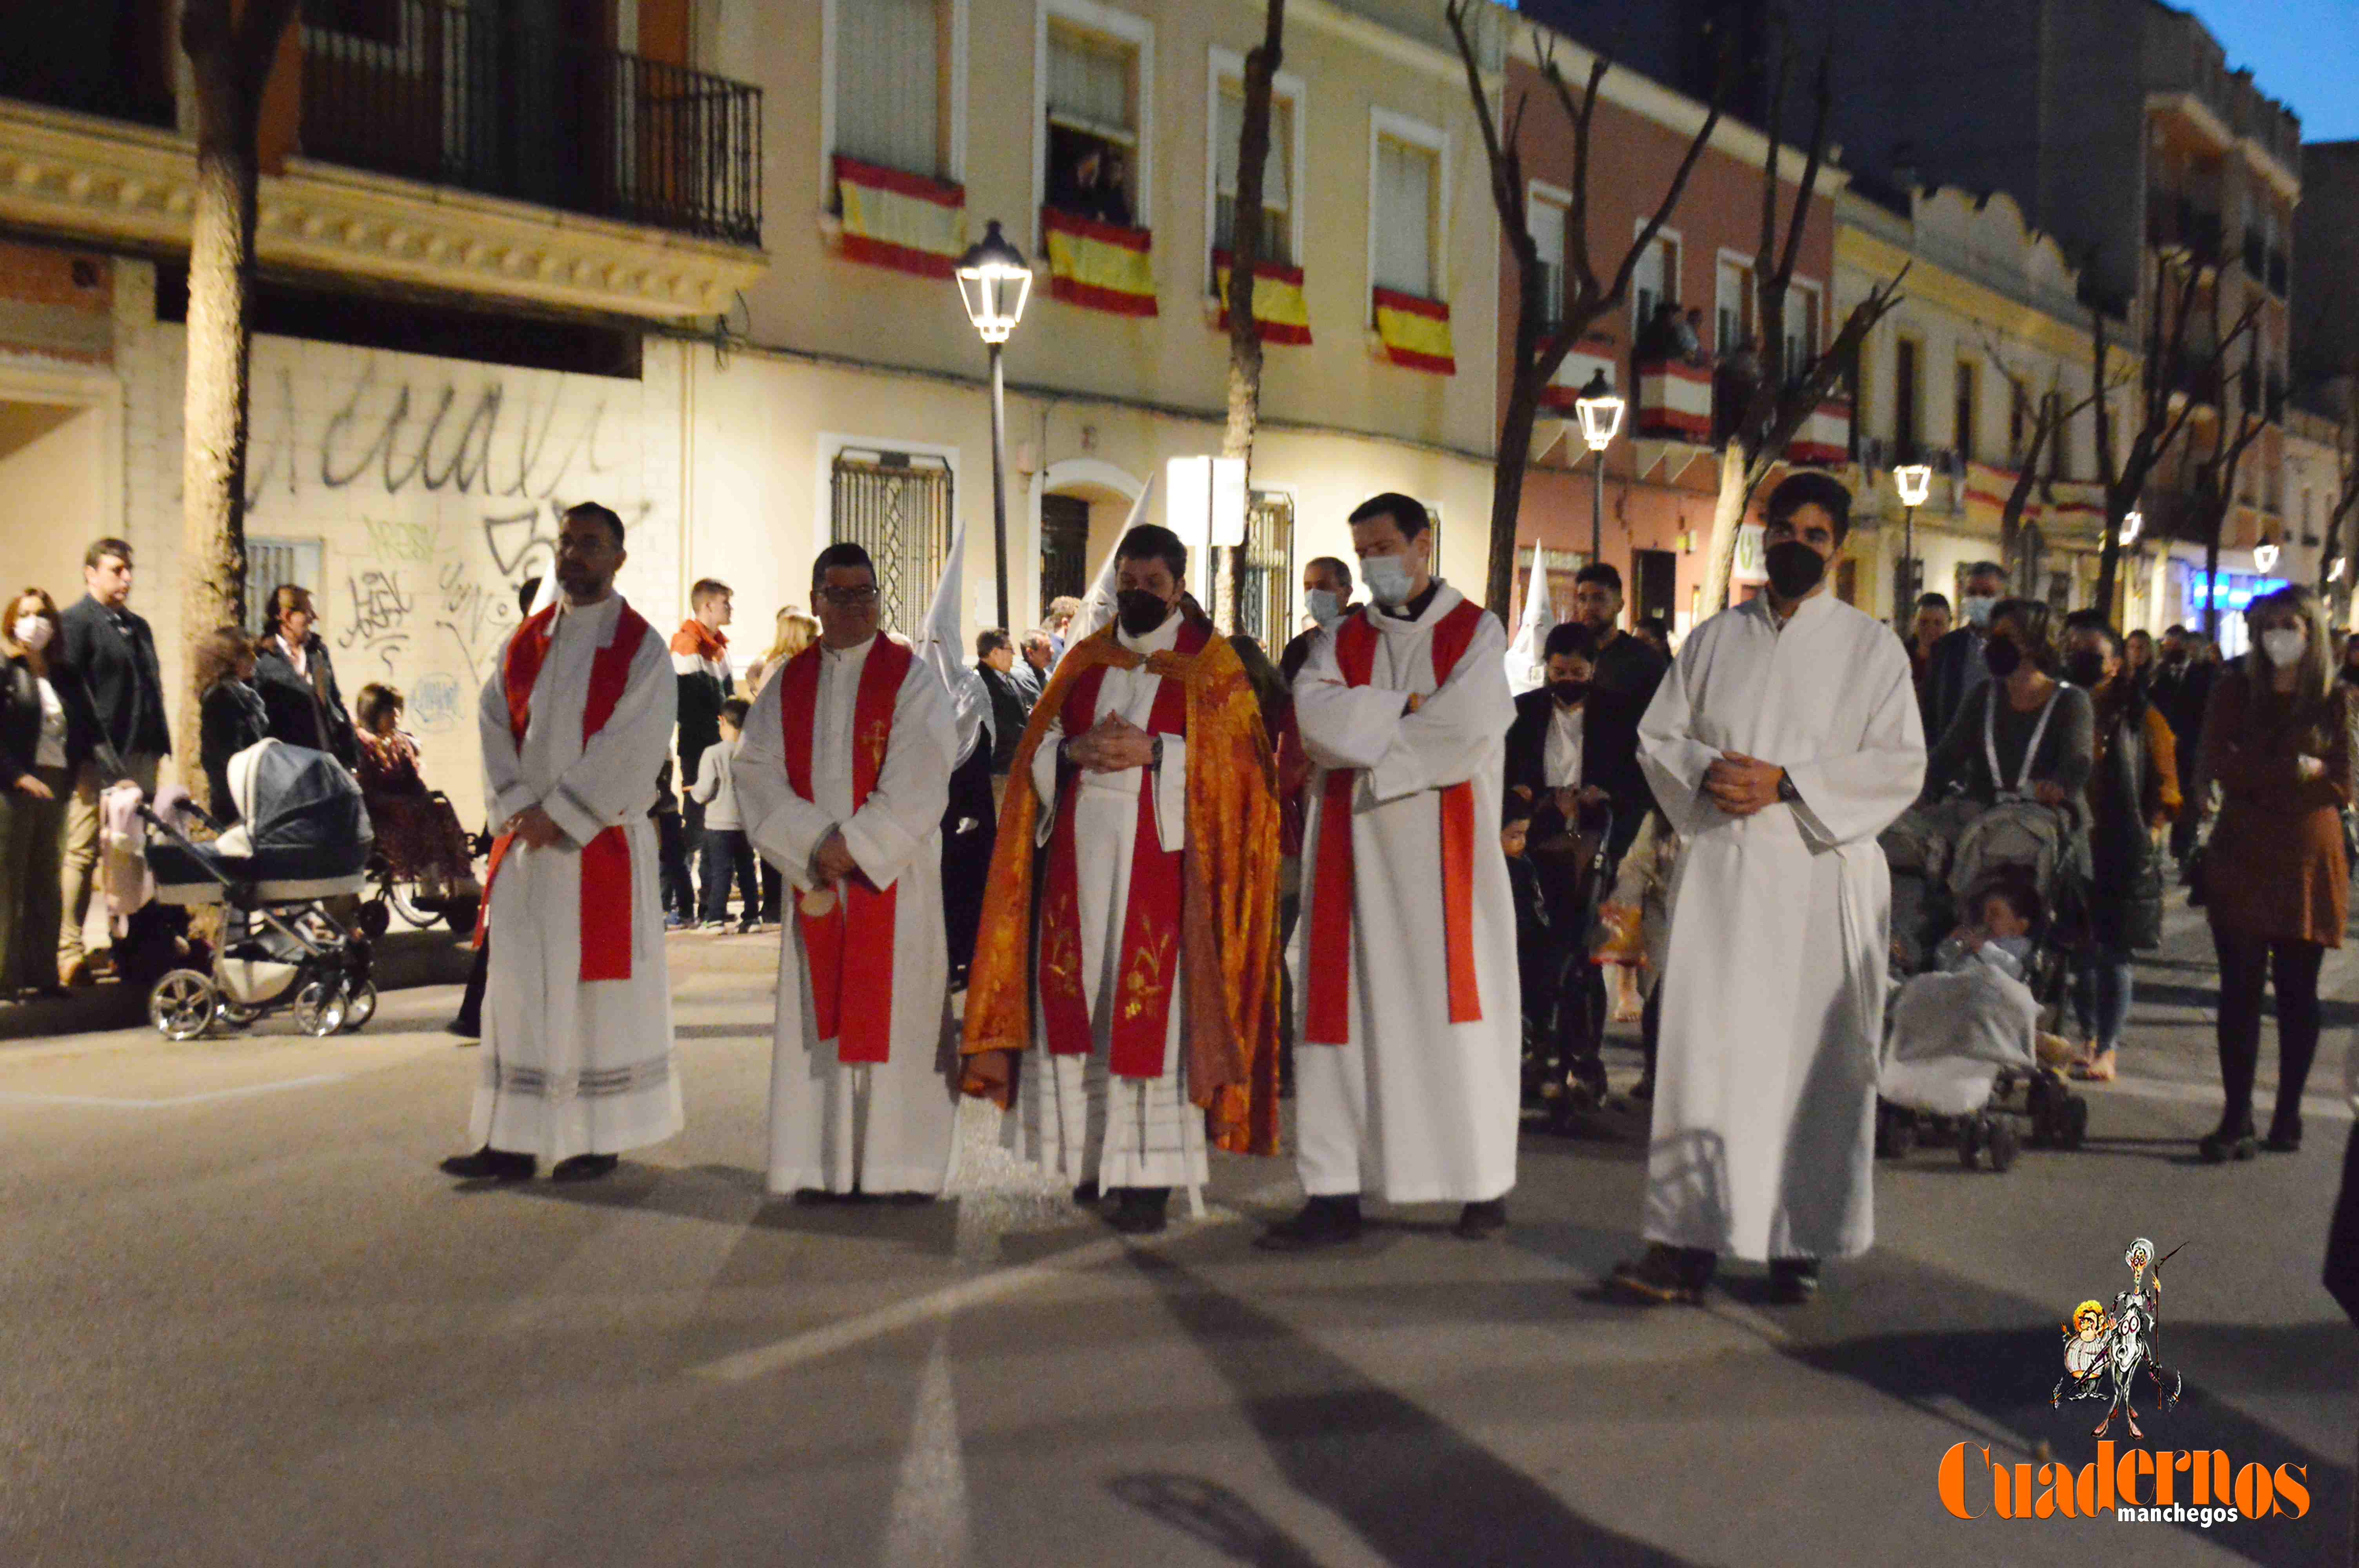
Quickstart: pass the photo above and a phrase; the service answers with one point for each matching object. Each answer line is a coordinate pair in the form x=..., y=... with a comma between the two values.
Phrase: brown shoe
x=1664, y=1276
x=76, y=972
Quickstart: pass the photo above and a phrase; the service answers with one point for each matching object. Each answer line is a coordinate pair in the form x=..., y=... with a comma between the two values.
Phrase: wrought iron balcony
x=461, y=97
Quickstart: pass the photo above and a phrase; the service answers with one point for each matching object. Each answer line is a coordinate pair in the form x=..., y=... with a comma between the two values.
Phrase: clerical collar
x=1414, y=609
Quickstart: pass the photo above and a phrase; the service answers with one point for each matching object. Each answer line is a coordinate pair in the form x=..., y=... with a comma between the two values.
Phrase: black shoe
x=585, y=1168
x=1087, y=1193
x=1322, y=1222
x=818, y=1198
x=1643, y=1091
x=464, y=1027
x=1664, y=1276
x=2284, y=1134
x=1141, y=1211
x=1793, y=1281
x=490, y=1164
x=2224, y=1144
x=1481, y=1221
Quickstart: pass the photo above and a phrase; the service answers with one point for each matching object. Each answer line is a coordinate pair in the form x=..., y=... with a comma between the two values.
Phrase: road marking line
x=15, y=1098
x=928, y=1520
x=2326, y=1108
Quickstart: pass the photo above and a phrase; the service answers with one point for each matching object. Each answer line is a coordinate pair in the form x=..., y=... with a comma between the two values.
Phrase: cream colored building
x=730, y=318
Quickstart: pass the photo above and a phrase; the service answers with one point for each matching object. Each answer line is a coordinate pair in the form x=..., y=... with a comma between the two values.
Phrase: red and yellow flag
x=902, y=221
x=1415, y=332
x=1278, y=304
x=1100, y=266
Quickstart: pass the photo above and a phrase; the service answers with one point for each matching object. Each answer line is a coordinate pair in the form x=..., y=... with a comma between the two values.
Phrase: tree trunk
x=1507, y=486
x=2109, y=551
x=219, y=348
x=1245, y=255
x=1727, y=517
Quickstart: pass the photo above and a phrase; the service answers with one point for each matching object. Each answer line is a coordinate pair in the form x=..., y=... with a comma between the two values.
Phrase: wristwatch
x=1785, y=790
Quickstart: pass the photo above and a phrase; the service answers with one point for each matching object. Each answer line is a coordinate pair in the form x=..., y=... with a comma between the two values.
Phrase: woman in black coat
x=231, y=712
x=305, y=706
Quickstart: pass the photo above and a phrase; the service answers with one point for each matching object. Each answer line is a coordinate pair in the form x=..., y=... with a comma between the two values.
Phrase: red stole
x=850, y=948
x=606, y=858
x=1329, y=1019
x=1150, y=925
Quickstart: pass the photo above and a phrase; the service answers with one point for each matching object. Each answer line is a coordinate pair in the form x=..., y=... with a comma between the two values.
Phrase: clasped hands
x=1111, y=745
x=832, y=862
x=537, y=827
x=1742, y=785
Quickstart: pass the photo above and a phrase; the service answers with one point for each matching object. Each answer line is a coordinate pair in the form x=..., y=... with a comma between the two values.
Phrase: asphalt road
x=242, y=1320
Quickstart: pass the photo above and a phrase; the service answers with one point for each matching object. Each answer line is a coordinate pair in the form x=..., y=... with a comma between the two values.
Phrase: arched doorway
x=1078, y=508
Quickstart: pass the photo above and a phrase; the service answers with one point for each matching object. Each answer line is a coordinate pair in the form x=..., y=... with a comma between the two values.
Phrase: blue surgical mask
x=1977, y=608
x=1388, y=578
x=1322, y=606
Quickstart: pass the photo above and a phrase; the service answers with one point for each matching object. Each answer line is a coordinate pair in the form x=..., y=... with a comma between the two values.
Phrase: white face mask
x=1322, y=606
x=1388, y=578
x=32, y=632
x=1977, y=608
x=2284, y=646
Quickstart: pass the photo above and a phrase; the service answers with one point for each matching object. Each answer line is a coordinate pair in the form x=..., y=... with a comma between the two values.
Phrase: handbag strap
x=2031, y=747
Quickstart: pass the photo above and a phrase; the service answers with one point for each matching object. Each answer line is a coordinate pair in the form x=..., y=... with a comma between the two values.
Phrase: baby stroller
x=1563, y=1072
x=1962, y=1046
x=302, y=837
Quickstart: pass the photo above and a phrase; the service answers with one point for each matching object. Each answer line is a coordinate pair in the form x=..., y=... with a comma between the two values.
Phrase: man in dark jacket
x=298, y=683
x=1626, y=672
x=108, y=677
x=2180, y=691
x=1955, y=667
x=1011, y=707
x=699, y=661
x=1326, y=599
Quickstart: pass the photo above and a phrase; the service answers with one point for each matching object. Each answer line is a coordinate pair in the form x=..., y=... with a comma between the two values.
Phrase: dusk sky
x=2302, y=52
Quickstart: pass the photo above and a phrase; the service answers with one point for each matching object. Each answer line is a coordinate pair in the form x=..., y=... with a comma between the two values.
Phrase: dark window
x=1904, y=401
x=1064, y=548
x=1964, y=427
x=1090, y=176
x=1657, y=574
x=898, y=508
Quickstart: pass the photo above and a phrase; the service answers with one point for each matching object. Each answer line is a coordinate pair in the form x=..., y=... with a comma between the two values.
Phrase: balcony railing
x=458, y=97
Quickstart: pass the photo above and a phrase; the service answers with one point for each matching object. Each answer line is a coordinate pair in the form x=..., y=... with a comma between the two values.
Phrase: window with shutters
x=897, y=506
x=1962, y=424
x=893, y=85
x=1095, y=101
x=1801, y=328
x=1280, y=240
x=1654, y=282
x=1905, y=433
x=1545, y=210
x=273, y=564
x=1406, y=214
x=1733, y=307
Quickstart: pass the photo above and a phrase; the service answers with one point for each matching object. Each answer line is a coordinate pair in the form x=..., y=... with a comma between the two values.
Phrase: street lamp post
x=1601, y=416
x=993, y=281
x=1914, y=482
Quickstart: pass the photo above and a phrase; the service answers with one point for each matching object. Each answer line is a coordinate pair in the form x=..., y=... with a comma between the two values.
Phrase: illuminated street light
x=1601, y=416
x=1914, y=482
x=994, y=282
x=2334, y=569
x=2131, y=523
x=2265, y=557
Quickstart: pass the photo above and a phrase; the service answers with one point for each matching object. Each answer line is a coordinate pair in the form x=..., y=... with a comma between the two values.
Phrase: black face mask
x=1794, y=568
x=1139, y=610
x=2087, y=670
x=1568, y=692
x=2002, y=657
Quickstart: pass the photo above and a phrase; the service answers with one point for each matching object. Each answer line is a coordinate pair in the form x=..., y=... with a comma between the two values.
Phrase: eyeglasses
x=849, y=597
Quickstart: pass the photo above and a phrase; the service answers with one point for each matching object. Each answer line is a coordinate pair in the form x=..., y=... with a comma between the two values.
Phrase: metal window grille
x=270, y=565
x=898, y=508
x=1262, y=610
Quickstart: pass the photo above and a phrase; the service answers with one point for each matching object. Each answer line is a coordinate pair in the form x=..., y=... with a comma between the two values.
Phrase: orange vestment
x=1228, y=903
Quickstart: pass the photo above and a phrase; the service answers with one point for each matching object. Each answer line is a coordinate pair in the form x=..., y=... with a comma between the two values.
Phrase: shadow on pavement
x=1412, y=1486
x=1215, y=1516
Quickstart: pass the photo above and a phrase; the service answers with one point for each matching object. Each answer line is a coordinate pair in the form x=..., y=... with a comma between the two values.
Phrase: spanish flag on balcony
x=901, y=220
x=1415, y=332
x=1278, y=304
x=2079, y=500
x=1101, y=267
x=1988, y=488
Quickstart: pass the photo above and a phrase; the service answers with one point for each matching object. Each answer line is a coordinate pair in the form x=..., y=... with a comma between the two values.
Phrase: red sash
x=1150, y=925
x=849, y=948
x=1328, y=1020
x=606, y=858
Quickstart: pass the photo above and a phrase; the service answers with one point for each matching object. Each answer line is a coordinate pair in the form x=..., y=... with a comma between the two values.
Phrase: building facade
x=718, y=298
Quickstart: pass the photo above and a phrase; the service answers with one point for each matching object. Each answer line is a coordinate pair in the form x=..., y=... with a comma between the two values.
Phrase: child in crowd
x=727, y=853
x=2004, y=914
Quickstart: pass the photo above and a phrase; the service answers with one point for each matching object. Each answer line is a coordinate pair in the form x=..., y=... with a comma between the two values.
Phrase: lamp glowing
x=994, y=282
x=2265, y=557
x=1914, y=482
x=2334, y=569
x=1600, y=411
x=2131, y=523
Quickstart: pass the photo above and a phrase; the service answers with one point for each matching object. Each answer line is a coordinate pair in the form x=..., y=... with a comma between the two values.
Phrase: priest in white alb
x=1127, y=1016
x=843, y=778
x=1409, y=1074
x=576, y=721
x=1783, y=741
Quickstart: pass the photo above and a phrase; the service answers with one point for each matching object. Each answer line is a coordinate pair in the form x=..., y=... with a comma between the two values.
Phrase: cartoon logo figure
x=2105, y=1351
